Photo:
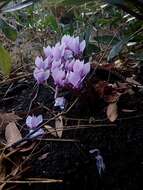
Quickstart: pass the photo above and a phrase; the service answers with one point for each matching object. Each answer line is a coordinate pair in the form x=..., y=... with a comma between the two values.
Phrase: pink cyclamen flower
x=41, y=75
x=74, y=44
x=59, y=76
x=33, y=121
x=48, y=51
x=74, y=79
x=81, y=68
x=58, y=51
x=43, y=64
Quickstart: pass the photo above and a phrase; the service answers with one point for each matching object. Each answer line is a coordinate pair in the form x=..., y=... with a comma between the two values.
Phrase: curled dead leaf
x=12, y=133
x=51, y=130
x=59, y=126
x=112, y=111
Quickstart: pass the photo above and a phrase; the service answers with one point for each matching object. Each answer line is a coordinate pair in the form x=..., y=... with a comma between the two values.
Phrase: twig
x=34, y=181
x=6, y=81
x=59, y=140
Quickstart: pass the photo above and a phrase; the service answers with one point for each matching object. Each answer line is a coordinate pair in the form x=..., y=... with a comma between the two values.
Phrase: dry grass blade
x=112, y=111
x=12, y=133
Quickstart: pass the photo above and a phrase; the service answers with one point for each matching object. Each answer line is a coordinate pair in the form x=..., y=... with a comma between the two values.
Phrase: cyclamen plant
x=63, y=62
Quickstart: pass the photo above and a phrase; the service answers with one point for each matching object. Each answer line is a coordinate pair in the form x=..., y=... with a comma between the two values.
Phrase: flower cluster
x=63, y=63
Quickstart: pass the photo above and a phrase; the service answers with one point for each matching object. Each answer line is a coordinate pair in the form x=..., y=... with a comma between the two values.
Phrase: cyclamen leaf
x=5, y=61
x=12, y=133
x=117, y=48
x=112, y=112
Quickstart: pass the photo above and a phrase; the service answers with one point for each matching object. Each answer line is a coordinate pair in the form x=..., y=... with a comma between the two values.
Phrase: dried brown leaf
x=51, y=130
x=59, y=126
x=12, y=133
x=6, y=118
x=112, y=111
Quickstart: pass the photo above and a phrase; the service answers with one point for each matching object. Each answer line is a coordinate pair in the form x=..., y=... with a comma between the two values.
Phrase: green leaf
x=9, y=31
x=92, y=48
x=116, y=2
x=51, y=20
x=5, y=61
x=116, y=49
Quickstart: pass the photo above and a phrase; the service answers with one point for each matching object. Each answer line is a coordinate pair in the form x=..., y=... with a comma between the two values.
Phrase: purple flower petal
x=38, y=133
x=68, y=54
x=60, y=102
x=86, y=69
x=33, y=121
x=74, y=79
x=78, y=66
x=58, y=76
x=47, y=62
x=39, y=62
x=56, y=64
x=82, y=46
x=29, y=121
x=48, y=51
x=58, y=51
x=41, y=75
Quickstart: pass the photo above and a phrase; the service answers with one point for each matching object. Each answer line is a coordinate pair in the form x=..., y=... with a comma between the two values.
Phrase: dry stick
x=59, y=140
x=27, y=137
x=34, y=181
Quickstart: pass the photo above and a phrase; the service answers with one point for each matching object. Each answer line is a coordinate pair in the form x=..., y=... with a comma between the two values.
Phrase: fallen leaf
x=12, y=133
x=59, y=126
x=51, y=130
x=43, y=156
x=6, y=118
x=112, y=111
